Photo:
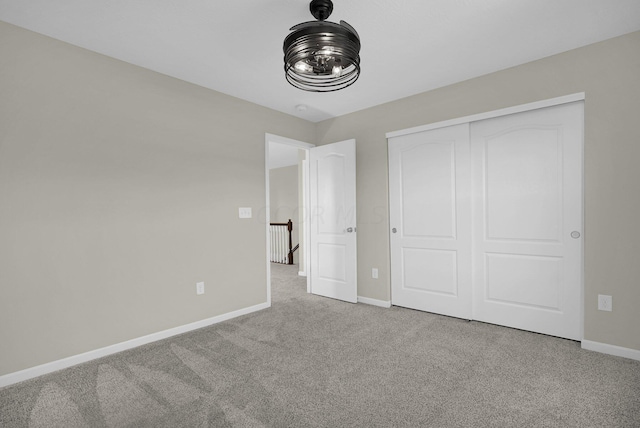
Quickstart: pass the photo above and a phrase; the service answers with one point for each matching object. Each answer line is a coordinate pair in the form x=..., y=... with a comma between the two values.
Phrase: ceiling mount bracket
x=321, y=9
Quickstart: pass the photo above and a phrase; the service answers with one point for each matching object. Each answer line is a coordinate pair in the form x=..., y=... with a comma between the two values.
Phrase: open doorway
x=327, y=216
x=286, y=199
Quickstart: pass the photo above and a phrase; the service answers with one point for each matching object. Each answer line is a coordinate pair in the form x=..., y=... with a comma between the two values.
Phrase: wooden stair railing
x=280, y=252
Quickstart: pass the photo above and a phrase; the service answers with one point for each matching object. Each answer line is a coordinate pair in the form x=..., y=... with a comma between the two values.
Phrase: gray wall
x=119, y=190
x=609, y=74
x=283, y=189
x=284, y=206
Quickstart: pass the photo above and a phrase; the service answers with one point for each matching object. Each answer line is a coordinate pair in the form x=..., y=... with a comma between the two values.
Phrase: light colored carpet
x=315, y=362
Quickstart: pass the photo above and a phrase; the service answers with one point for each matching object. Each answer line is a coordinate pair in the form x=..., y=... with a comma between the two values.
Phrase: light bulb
x=326, y=51
x=336, y=71
x=303, y=67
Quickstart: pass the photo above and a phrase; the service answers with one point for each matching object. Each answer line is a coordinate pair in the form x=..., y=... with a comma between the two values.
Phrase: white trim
x=64, y=363
x=491, y=114
x=267, y=213
x=582, y=210
x=605, y=348
x=306, y=217
x=301, y=273
x=374, y=302
x=287, y=141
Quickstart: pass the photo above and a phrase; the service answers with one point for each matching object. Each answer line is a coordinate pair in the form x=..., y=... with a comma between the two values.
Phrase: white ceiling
x=408, y=46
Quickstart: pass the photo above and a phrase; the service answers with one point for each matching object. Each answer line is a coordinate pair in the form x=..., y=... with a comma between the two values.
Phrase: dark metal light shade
x=322, y=56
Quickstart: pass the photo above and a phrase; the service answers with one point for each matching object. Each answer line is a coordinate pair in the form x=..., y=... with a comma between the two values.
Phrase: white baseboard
x=53, y=366
x=374, y=302
x=302, y=273
x=618, y=351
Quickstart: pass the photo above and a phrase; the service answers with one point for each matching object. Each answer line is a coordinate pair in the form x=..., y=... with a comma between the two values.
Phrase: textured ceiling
x=408, y=46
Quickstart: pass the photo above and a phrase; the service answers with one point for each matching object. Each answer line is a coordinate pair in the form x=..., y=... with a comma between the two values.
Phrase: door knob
x=349, y=229
x=394, y=230
x=575, y=234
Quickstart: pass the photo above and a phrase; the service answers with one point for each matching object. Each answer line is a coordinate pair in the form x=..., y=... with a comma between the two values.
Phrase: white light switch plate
x=244, y=212
x=199, y=287
x=605, y=303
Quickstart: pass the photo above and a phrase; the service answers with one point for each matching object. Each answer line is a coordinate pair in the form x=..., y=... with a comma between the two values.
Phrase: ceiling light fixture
x=322, y=56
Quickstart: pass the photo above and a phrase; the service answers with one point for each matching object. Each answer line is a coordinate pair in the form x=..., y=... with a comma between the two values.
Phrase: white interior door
x=332, y=197
x=527, y=186
x=430, y=221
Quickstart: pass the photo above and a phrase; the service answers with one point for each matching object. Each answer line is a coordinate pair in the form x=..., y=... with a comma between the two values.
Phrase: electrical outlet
x=605, y=303
x=374, y=273
x=200, y=288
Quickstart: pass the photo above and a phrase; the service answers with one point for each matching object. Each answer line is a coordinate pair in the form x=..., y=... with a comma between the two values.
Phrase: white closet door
x=527, y=205
x=430, y=221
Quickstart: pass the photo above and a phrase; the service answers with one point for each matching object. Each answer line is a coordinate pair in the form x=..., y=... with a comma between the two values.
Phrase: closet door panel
x=428, y=190
x=527, y=177
x=523, y=185
x=430, y=221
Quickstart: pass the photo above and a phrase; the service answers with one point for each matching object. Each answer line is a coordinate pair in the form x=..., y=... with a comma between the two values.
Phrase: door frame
x=271, y=138
x=580, y=96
